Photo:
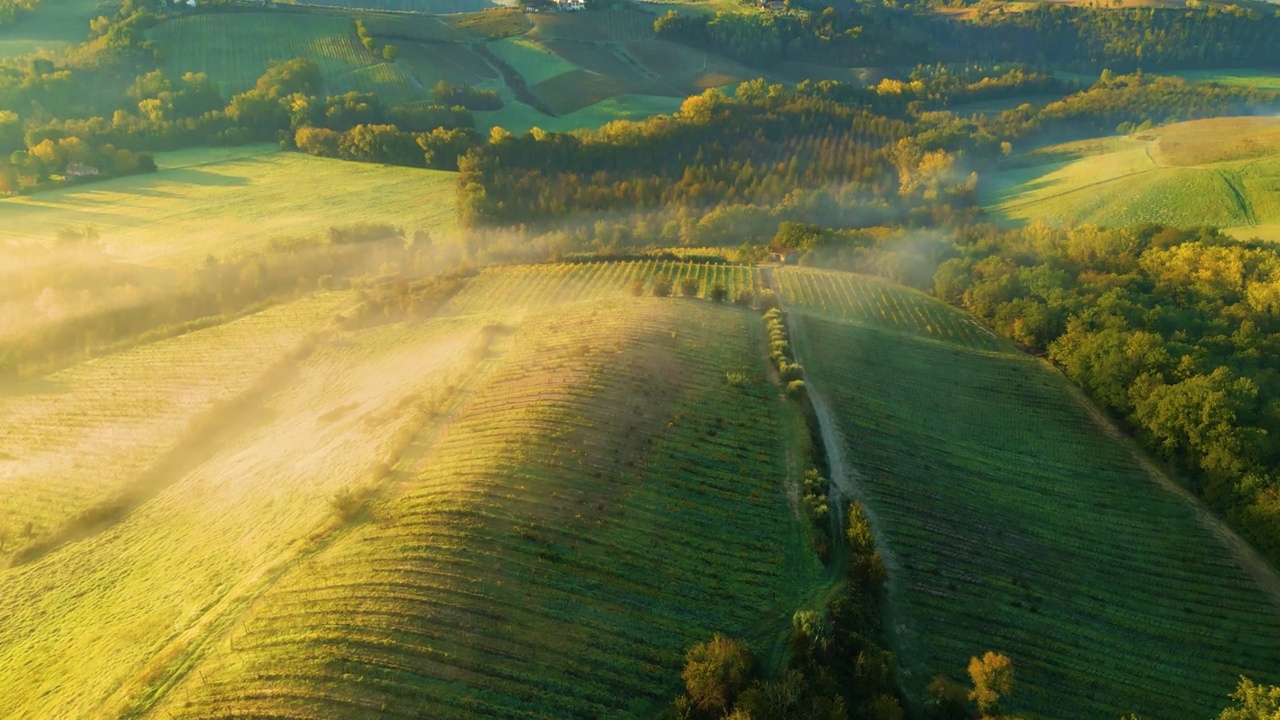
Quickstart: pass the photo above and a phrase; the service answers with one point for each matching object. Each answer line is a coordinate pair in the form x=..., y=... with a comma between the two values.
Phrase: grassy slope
x=53, y=25
x=1015, y=523
x=62, y=447
x=560, y=571
x=236, y=48
x=120, y=608
x=1219, y=172
x=227, y=202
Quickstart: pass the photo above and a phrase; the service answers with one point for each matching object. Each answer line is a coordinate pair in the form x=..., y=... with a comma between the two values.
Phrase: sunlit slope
x=224, y=203
x=1222, y=172
x=605, y=500
x=541, y=286
x=1013, y=522
x=76, y=445
x=97, y=626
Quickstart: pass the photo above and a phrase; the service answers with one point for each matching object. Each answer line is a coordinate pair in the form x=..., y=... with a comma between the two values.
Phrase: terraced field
x=535, y=286
x=226, y=202
x=1013, y=521
x=1220, y=172
x=236, y=48
x=875, y=303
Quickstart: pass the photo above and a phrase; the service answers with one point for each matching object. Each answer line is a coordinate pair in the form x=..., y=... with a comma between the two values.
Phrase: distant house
x=570, y=5
x=778, y=5
x=786, y=256
x=76, y=170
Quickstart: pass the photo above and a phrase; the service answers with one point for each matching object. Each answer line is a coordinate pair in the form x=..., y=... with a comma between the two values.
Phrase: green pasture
x=1219, y=172
x=236, y=48
x=52, y=25
x=226, y=202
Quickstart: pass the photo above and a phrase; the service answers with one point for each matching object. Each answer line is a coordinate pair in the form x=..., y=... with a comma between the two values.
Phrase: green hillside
x=227, y=202
x=52, y=25
x=1221, y=172
x=1014, y=520
x=491, y=571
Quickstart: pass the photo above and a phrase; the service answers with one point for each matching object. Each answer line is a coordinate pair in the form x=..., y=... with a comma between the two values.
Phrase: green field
x=1012, y=521
x=1222, y=172
x=52, y=25
x=1260, y=79
x=236, y=48
x=227, y=202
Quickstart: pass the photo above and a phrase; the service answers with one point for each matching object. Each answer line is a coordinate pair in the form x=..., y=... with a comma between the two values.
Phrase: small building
x=77, y=170
x=777, y=5
x=570, y=5
x=786, y=256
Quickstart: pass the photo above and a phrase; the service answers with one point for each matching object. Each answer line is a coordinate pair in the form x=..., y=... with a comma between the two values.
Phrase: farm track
x=1244, y=554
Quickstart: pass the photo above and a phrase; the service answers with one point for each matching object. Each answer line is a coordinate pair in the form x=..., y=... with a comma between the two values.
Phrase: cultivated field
x=1220, y=172
x=1012, y=521
x=228, y=202
x=875, y=303
x=493, y=570
x=534, y=286
x=236, y=48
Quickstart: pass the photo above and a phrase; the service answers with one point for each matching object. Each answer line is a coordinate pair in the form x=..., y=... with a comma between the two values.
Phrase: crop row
x=1019, y=525
x=544, y=285
x=874, y=302
x=602, y=503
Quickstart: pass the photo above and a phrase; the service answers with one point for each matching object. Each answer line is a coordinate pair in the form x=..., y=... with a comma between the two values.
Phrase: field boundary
x=1253, y=563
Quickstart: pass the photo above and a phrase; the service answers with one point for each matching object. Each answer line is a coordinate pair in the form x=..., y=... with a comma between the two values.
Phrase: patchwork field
x=1013, y=521
x=54, y=24
x=1222, y=172
x=236, y=48
x=226, y=202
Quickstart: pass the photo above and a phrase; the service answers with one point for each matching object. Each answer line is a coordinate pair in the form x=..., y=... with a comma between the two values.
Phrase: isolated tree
x=715, y=672
x=689, y=288
x=636, y=288
x=390, y=53
x=992, y=677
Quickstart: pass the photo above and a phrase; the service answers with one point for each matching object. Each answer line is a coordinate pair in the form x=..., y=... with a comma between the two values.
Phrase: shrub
x=346, y=503
x=636, y=288
x=689, y=288
x=795, y=388
x=662, y=286
x=719, y=293
x=746, y=298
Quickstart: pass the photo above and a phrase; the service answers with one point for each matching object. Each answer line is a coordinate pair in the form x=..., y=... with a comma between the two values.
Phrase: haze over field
x=684, y=360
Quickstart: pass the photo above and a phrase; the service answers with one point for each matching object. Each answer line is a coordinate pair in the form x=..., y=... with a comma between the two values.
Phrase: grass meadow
x=236, y=48
x=1222, y=172
x=228, y=202
x=1014, y=522
x=52, y=25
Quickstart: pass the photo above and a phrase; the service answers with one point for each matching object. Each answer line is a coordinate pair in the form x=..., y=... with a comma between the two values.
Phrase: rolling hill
x=224, y=202
x=364, y=522
x=1013, y=518
x=1182, y=174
